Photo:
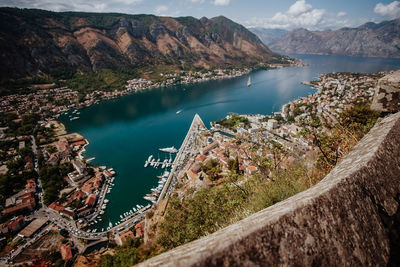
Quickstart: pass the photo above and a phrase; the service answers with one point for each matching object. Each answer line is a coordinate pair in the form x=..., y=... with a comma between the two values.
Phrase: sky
x=276, y=14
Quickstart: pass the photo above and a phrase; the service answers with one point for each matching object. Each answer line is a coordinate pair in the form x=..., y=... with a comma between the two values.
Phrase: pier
x=194, y=128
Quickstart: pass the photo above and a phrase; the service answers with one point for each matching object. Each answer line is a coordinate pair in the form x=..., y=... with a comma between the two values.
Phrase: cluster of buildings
x=221, y=149
x=21, y=202
x=47, y=102
x=85, y=183
x=184, y=77
x=336, y=92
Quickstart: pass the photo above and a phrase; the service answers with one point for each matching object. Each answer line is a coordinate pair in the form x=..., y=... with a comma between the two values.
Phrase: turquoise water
x=124, y=132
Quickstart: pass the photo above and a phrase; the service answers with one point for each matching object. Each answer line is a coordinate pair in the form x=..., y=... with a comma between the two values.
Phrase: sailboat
x=249, y=82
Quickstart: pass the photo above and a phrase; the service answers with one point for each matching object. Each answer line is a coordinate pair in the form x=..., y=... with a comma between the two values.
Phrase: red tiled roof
x=56, y=206
x=126, y=235
x=139, y=229
x=79, y=143
x=91, y=199
x=28, y=205
x=66, y=252
x=16, y=222
x=201, y=158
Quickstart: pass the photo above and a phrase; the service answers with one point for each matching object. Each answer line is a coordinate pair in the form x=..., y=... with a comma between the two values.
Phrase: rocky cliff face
x=387, y=93
x=38, y=41
x=368, y=40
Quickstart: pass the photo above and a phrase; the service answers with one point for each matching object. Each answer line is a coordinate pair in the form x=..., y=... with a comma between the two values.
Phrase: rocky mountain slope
x=368, y=40
x=37, y=41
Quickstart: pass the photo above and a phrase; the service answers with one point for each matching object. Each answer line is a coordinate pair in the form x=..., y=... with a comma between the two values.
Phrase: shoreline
x=149, y=85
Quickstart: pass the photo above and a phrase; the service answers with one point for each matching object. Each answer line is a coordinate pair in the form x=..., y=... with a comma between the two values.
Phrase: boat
x=169, y=149
x=155, y=190
x=101, y=212
x=146, y=164
x=249, y=82
x=150, y=198
x=120, y=216
x=138, y=206
x=106, y=200
x=73, y=118
x=149, y=158
x=179, y=111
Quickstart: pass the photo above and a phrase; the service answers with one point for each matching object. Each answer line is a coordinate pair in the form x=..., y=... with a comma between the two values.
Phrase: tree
x=233, y=165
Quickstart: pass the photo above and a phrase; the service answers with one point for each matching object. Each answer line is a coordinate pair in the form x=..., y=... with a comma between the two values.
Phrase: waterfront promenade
x=195, y=126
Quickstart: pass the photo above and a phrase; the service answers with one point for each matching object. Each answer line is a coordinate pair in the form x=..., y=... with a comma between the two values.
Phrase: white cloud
x=299, y=8
x=301, y=15
x=197, y=1
x=160, y=9
x=341, y=14
x=128, y=2
x=221, y=2
x=390, y=11
x=74, y=5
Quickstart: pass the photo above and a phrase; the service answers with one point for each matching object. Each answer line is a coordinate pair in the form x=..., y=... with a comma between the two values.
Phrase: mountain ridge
x=368, y=40
x=34, y=41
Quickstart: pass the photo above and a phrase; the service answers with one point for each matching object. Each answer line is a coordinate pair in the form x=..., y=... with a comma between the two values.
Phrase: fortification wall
x=350, y=218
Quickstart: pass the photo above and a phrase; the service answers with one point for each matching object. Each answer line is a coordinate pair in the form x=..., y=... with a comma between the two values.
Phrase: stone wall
x=350, y=218
x=387, y=93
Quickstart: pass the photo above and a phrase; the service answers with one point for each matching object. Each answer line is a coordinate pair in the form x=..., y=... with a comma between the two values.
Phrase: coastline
x=144, y=85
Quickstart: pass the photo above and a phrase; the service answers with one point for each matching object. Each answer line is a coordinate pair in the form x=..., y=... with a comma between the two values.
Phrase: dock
x=194, y=128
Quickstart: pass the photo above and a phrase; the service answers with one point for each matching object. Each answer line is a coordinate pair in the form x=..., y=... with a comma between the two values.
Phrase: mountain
x=268, y=36
x=368, y=40
x=36, y=42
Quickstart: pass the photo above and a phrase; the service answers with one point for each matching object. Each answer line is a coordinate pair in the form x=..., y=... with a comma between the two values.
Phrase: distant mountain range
x=268, y=36
x=42, y=42
x=368, y=40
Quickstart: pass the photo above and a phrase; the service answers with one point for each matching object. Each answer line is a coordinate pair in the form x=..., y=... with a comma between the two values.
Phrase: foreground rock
x=387, y=94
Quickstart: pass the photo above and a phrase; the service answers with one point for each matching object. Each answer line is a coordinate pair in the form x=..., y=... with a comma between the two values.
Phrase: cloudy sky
x=283, y=14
